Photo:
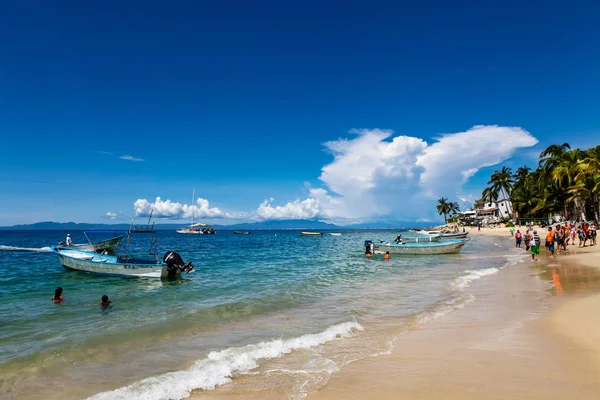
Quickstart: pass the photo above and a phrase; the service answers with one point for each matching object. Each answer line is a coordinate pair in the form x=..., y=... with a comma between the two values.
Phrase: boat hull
x=311, y=233
x=447, y=247
x=91, y=262
x=240, y=233
x=109, y=245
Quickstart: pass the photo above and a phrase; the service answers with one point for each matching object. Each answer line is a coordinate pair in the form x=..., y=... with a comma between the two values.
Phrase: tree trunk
x=445, y=220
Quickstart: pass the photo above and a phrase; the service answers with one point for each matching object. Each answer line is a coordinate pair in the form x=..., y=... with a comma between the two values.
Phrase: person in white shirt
x=68, y=241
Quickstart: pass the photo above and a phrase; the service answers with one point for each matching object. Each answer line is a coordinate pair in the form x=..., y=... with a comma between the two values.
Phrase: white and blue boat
x=420, y=248
x=125, y=263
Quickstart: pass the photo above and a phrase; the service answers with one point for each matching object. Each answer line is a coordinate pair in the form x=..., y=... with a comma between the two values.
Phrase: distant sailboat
x=196, y=228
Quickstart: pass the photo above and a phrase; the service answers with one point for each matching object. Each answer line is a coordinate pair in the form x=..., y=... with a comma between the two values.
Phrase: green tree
x=443, y=207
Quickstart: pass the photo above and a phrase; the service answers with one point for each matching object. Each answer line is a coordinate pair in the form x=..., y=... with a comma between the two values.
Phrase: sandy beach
x=535, y=336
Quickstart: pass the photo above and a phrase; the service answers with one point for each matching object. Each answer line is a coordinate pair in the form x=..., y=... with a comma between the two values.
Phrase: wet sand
x=535, y=337
x=532, y=333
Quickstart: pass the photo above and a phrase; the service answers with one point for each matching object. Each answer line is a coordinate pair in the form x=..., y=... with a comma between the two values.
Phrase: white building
x=500, y=209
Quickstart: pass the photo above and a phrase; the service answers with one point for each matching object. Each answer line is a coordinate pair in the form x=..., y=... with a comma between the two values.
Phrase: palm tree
x=521, y=175
x=453, y=208
x=502, y=181
x=443, y=207
x=489, y=194
x=550, y=157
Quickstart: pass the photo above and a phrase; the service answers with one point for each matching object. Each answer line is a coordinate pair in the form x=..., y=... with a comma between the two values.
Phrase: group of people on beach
x=557, y=238
x=58, y=298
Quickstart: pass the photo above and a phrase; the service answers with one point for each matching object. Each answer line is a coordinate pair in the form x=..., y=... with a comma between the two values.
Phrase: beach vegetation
x=445, y=208
x=566, y=181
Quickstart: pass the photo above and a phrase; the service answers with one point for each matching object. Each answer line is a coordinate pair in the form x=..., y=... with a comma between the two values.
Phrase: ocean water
x=270, y=310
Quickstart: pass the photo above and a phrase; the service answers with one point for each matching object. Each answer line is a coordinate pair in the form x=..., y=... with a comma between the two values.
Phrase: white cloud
x=131, y=158
x=174, y=210
x=401, y=178
x=111, y=215
x=305, y=209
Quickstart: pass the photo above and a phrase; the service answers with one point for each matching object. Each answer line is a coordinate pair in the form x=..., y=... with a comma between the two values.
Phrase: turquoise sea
x=271, y=309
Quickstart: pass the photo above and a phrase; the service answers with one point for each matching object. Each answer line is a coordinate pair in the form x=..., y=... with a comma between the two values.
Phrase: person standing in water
x=518, y=238
x=387, y=256
x=535, y=247
x=57, y=298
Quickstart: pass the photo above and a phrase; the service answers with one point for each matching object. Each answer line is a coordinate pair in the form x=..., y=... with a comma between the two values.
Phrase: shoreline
x=547, y=348
x=528, y=335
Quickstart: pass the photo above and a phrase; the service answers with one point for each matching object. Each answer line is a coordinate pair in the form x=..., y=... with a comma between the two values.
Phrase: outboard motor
x=175, y=263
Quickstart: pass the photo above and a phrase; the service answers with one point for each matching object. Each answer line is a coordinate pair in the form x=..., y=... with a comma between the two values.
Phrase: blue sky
x=236, y=99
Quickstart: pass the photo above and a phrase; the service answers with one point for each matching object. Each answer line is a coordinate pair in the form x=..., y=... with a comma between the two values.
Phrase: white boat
x=126, y=264
x=196, y=228
x=444, y=235
x=335, y=234
x=108, y=245
x=311, y=233
x=421, y=248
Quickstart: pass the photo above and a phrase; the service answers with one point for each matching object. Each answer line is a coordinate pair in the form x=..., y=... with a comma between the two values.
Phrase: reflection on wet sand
x=572, y=279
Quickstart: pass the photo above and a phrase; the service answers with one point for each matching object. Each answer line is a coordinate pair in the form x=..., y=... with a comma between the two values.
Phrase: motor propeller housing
x=175, y=263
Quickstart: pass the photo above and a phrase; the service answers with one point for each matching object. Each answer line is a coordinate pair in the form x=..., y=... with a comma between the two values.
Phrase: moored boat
x=421, y=248
x=197, y=228
x=334, y=234
x=126, y=263
x=108, y=245
x=241, y=232
x=444, y=235
x=311, y=233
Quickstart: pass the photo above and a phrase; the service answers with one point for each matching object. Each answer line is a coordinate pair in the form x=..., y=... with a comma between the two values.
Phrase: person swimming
x=57, y=298
x=105, y=302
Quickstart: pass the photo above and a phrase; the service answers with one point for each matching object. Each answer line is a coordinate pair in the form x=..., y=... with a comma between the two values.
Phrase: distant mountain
x=65, y=226
x=280, y=224
x=283, y=224
x=400, y=225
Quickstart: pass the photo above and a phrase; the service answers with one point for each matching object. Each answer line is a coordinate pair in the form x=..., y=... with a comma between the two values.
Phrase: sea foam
x=219, y=367
x=13, y=248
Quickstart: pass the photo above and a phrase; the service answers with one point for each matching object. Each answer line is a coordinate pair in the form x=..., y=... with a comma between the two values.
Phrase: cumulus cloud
x=111, y=215
x=372, y=176
x=175, y=210
x=131, y=158
x=305, y=209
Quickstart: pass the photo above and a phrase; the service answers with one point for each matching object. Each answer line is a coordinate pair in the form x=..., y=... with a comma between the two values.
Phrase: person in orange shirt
x=387, y=256
x=550, y=240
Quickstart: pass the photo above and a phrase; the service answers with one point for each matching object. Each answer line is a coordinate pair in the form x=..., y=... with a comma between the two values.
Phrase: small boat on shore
x=445, y=235
x=126, y=263
x=103, y=246
x=420, y=239
x=421, y=248
x=334, y=234
x=311, y=233
x=241, y=232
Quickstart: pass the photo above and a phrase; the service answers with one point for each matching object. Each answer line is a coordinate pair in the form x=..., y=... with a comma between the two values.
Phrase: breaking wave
x=219, y=367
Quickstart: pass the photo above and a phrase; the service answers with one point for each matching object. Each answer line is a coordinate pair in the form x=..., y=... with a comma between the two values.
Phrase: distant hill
x=283, y=224
x=65, y=226
x=278, y=224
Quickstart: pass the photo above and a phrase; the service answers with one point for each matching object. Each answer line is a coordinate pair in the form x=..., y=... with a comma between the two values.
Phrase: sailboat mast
x=193, y=196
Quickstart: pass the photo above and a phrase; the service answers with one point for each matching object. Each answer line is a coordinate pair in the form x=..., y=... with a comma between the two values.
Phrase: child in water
x=387, y=256
x=57, y=298
x=105, y=302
